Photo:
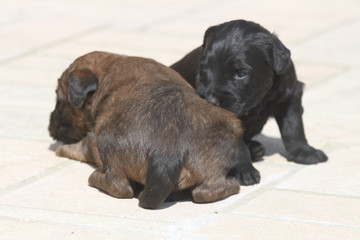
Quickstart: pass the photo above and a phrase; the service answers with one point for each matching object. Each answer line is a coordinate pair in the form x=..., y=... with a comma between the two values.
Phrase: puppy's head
x=238, y=65
x=68, y=122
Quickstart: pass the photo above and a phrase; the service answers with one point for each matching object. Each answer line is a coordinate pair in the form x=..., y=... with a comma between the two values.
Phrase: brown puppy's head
x=68, y=122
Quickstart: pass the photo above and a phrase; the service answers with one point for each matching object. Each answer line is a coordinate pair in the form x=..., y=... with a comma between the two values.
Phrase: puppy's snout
x=211, y=98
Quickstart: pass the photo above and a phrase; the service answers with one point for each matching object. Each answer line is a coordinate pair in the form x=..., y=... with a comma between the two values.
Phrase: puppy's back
x=155, y=128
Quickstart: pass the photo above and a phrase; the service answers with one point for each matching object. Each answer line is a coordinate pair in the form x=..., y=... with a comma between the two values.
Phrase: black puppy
x=244, y=68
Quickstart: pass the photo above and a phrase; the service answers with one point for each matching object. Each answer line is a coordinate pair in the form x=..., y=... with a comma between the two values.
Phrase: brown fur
x=140, y=122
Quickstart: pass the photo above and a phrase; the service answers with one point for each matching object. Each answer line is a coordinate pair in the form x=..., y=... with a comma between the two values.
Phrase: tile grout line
x=336, y=195
x=213, y=216
x=52, y=44
x=188, y=13
x=296, y=220
x=81, y=219
x=25, y=139
x=268, y=186
x=81, y=226
x=35, y=178
x=104, y=26
x=321, y=32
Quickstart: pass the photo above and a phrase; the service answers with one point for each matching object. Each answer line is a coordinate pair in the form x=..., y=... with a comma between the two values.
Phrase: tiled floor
x=45, y=197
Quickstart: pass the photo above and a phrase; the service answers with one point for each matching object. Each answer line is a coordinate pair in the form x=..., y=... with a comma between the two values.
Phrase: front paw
x=257, y=151
x=249, y=175
x=307, y=155
x=61, y=151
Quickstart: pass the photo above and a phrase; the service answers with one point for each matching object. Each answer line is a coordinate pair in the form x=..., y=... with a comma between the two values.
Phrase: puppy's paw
x=61, y=151
x=249, y=176
x=257, y=151
x=307, y=155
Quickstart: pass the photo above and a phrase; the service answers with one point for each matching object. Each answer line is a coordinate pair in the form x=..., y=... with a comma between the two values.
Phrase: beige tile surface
x=306, y=207
x=246, y=227
x=43, y=196
x=339, y=176
x=23, y=162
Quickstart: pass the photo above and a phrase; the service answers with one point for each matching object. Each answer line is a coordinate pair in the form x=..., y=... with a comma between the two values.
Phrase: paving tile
x=36, y=70
x=330, y=108
x=67, y=190
x=338, y=176
x=338, y=95
x=13, y=36
x=306, y=207
x=243, y=227
x=337, y=46
x=275, y=18
x=24, y=161
x=313, y=74
x=78, y=48
x=43, y=196
x=30, y=76
x=24, y=123
x=18, y=230
x=18, y=95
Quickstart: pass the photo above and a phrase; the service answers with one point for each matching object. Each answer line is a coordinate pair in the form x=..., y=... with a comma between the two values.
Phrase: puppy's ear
x=208, y=36
x=281, y=56
x=81, y=83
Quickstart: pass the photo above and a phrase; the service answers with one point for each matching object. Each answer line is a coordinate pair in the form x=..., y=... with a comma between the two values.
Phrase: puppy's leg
x=117, y=187
x=257, y=150
x=249, y=175
x=85, y=151
x=215, y=189
x=289, y=119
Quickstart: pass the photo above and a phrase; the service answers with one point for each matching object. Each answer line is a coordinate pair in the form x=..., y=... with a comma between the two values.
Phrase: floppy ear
x=81, y=83
x=208, y=36
x=281, y=56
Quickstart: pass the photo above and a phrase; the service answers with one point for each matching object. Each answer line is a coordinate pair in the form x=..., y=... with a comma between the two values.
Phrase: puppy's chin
x=67, y=135
x=239, y=109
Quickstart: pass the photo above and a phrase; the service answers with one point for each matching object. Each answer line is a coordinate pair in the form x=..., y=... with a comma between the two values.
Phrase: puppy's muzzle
x=211, y=98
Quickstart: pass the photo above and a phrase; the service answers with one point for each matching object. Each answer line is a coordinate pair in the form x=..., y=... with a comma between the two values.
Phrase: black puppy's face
x=238, y=65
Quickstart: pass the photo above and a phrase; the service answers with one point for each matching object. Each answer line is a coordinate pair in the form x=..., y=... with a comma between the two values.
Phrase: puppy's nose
x=213, y=99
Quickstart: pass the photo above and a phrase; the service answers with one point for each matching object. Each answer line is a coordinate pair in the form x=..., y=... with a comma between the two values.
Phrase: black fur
x=244, y=68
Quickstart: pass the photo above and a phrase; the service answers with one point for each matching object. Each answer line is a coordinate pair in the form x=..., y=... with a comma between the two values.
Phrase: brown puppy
x=140, y=122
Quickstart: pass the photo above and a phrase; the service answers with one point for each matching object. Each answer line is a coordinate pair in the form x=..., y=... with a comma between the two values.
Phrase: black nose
x=213, y=99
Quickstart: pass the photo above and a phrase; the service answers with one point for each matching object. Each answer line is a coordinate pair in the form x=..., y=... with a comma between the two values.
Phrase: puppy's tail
x=162, y=174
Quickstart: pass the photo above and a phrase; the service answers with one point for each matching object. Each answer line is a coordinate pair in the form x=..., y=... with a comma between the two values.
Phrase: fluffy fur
x=245, y=69
x=142, y=124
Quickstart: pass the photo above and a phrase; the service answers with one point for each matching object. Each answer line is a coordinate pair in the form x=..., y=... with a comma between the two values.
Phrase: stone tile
x=38, y=70
x=24, y=123
x=338, y=176
x=163, y=43
x=330, y=108
x=243, y=227
x=165, y=49
x=304, y=207
x=313, y=74
x=57, y=31
x=275, y=19
x=16, y=230
x=43, y=196
x=336, y=46
x=336, y=96
x=18, y=95
x=67, y=190
x=30, y=76
x=23, y=161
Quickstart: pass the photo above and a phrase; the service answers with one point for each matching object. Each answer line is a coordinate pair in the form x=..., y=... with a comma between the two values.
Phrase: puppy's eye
x=241, y=74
